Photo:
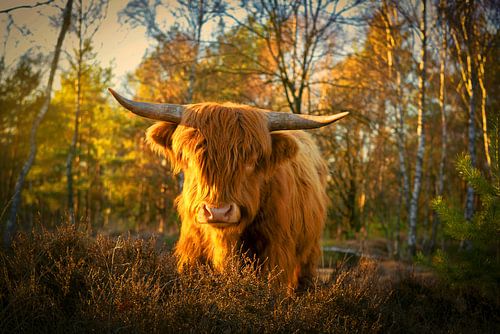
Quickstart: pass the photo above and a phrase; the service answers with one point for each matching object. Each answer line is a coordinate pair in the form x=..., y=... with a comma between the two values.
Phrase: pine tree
x=478, y=266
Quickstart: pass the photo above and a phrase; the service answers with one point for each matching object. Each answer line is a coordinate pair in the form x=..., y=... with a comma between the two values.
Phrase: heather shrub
x=67, y=281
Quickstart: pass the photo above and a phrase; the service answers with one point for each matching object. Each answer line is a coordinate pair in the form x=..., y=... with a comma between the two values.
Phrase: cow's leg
x=281, y=257
x=308, y=269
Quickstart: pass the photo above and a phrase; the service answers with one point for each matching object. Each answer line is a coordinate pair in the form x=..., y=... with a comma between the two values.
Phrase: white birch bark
x=417, y=182
x=16, y=199
x=444, y=134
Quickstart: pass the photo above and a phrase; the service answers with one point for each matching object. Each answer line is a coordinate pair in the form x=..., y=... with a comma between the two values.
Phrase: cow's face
x=227, y=154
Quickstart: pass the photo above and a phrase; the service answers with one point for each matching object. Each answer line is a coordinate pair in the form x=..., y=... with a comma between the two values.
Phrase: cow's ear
x=284, y=147
x=159, y=137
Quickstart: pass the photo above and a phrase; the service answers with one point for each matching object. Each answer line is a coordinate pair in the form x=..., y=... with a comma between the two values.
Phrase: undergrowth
x=65, y=281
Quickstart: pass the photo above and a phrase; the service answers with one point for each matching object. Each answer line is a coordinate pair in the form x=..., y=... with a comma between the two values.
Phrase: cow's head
x=226, y=151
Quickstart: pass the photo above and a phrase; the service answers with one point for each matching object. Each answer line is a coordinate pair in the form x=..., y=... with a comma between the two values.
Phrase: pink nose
x=222, y=213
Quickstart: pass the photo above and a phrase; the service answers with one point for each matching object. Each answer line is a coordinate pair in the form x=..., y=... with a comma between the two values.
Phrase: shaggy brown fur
x=277, y=179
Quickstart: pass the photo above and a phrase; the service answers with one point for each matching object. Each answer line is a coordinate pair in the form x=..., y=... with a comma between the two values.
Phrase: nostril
x=206, y=211
x=229, y=211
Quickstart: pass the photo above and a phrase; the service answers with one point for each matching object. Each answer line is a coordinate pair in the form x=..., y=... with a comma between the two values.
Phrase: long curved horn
x=159, y=111
x=286, y=121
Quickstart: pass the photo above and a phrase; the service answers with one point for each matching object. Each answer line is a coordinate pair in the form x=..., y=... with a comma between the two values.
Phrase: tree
x=162, y=75
x=99, y=151
x=195, y=13
x=11, y=221
x=468, y=23
x=356, y=85
x=19, y=100
x=87, y=23
x=417, y=182
x=392, y=26
x=443, y=32
x=296, y=35
x=478, y=267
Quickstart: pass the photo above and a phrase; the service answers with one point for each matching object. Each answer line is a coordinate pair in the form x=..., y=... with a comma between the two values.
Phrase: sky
x=118, y=45
x=115, y=44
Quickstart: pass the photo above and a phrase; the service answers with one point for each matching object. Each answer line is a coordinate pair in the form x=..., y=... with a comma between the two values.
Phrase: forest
x=414, y=170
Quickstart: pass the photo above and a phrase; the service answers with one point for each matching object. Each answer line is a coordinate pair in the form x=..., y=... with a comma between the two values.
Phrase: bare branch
x=38, y=4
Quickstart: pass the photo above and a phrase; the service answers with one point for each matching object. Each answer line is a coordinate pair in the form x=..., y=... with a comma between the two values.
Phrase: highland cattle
x=253, y=181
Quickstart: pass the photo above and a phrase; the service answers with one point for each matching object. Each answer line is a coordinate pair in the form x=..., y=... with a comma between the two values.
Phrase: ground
x=70, y=281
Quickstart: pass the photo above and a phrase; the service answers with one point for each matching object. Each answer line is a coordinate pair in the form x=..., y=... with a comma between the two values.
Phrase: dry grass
x=66, y=281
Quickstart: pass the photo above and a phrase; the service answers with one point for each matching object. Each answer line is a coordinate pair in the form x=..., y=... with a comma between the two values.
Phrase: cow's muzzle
x=222, y=214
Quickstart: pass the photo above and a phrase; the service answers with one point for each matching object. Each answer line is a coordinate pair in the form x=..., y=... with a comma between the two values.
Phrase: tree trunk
x=444, y=135
x=468, y=71
x=404, y=197
x=197, y=41
x=473, y=84
x=192, y=72
x=401, y=144
x=469, y=201
x=194, y=64
x=417, y=183
x=72, y=149
x=484, y=122
x=11, y=221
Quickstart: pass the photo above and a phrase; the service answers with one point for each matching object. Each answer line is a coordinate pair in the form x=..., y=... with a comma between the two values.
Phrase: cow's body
x=229, y=156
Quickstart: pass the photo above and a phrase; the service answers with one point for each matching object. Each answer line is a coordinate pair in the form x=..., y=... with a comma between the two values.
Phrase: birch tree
x=419, y=162
x=16, y=201
x=469, y=22
x=443, y=33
